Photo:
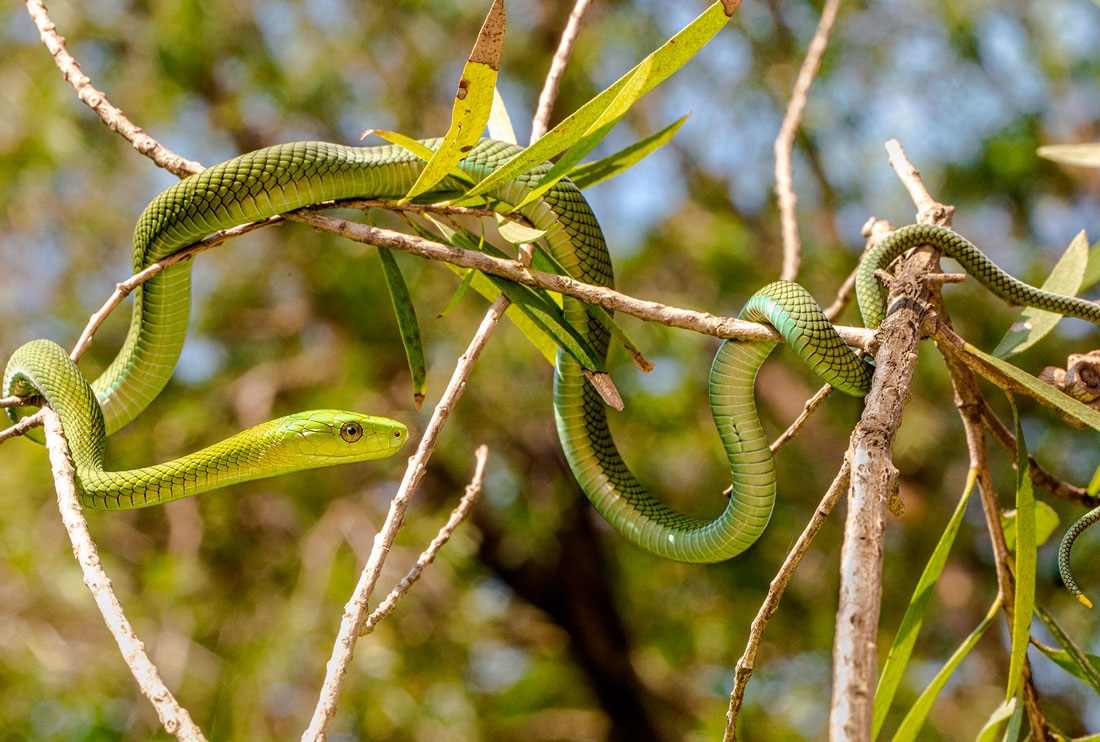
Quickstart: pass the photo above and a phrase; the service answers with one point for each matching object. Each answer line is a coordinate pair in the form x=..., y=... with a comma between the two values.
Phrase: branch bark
x=874, y=482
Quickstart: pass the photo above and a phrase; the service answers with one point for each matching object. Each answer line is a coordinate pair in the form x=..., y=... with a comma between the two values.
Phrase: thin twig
x=747, y=662
x=1043, y=478
x=173, y=717
x=458, y=515
x=357, y=608
x=97, y=101
x=541, y=123
x=807, y=411
x=784, y=141
x=970, y=403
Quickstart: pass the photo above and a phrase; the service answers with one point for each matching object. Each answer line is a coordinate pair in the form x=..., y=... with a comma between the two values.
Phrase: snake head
x=346, y=436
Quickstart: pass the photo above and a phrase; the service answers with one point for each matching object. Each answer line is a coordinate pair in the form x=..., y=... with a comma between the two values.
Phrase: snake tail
x=1083, y=524
x=872, y=297
x=306, y=440
x=630, y=508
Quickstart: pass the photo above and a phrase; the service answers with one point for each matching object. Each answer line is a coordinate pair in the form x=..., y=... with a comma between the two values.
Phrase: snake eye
x=351, y=432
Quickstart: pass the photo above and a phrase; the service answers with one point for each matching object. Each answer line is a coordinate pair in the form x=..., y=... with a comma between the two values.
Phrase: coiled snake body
x=285, y=177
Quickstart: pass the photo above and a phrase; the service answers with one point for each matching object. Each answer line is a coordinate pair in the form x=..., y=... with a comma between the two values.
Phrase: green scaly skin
x=278, y=179
x=872, y=304
x=307, y=440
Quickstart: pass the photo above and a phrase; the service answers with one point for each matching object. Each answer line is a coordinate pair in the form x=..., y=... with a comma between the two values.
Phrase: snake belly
x=306, y=440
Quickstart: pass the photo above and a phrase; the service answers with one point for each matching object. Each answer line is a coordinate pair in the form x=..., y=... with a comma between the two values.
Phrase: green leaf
x=1085, y=155
x=472, y=106
x=989, y=731
x=1048, y=395
x=1033, y=324
x=654, y=70
x=914, y=720
x=906, y=637
x=537, y=305
x=1082, y=666
x=1064, y=660
x=1092, y=269
x=591, y=173
x=406, y=324
x=407, y=143
x=516, y=233
x=545, y=262
x=500, y=123
x=1094, y=483
x=1025, y=560
x=1046, y=521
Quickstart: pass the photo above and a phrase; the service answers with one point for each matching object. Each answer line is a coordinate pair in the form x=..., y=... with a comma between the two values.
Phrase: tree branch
x=541, y=123
x=784, y=141
x=173, y=717
x=874, y=482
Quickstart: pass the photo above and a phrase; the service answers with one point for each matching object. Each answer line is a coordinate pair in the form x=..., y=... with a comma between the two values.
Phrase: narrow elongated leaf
x=1048, y=395
x=406, y=324
x=990, y=731
x=536, y=304
x=545, y=262
x=1085, y=155
x=1086, y=670
x=1025, y=560
x=1046, y=521
x=1064, y=660
x=918, y=713
x=658, y=66
x=1033, y=324
x=472, y=106
x=591, y=173
x=902, y=649
x=632, y=90
x=500, y=123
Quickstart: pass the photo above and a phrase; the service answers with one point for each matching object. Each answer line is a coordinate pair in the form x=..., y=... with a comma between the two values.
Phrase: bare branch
x=173, y=717
x=784, y=141
x=458, y=515
x=541, y=123
x=97, y=101
x=807, y=411
x=874, y=481
x=356, y=610
x=747, y=662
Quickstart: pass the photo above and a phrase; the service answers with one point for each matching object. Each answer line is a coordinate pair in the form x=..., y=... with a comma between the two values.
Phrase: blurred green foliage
x=537, y=622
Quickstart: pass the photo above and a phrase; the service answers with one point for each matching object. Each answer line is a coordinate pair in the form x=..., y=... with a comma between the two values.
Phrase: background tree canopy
x=537, y=622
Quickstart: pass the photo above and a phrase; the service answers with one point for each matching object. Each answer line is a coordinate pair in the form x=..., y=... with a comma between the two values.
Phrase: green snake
x=306, y=440
x=278, y=179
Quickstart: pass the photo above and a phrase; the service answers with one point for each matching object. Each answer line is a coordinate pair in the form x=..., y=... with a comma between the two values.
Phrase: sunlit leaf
x=472, y=106
x=1046, y=522
x=500, y=123
x=591, y=173
x=905, y=639
x=1065, y=279
x=1085, y=155
x=1025, y=560
x=676, y=52
x=990, y=731
x=918, y=712
x=982, y=363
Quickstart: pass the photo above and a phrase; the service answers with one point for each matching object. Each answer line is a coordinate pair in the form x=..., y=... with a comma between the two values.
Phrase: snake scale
x=279, y=179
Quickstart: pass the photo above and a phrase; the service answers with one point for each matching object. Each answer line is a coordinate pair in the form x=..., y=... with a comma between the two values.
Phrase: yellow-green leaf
x=591, y=173
x=657, y=67
x=1085, y=155
x=982, y=363
x=1081, y=665
x=906, y=637
x=1033, y=324
x=500, y=123
x=1046, y=521
x=911, y=725
x=472, y=106
x=1025, y=560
